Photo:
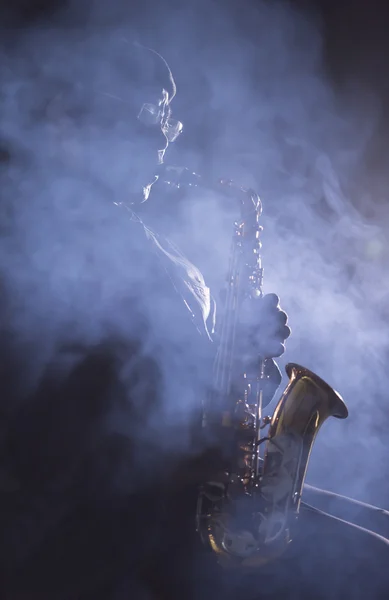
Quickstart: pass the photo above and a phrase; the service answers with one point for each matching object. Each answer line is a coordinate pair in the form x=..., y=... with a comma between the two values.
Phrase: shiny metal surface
x=247, y=514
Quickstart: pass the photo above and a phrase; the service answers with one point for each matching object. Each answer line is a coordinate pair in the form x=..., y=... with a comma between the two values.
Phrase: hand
x=272, y=328
x=265, y=328
x=264, y=331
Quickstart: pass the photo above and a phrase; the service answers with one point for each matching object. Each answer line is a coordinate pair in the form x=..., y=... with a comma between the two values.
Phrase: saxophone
x=246, y=516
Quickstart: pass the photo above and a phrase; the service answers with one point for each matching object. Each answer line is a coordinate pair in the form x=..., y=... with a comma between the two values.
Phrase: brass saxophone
x=247, y=515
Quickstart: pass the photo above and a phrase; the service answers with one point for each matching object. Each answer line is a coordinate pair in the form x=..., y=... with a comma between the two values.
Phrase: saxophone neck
x=182, y=178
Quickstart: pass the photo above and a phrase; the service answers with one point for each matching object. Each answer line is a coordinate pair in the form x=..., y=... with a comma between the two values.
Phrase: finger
x=274, y=349
x=278, y=351
x=273, y=329
x=284, y=332
x=280, y=334
x=272, y=344
x=276, y=326
x=282, y=317
x=270, y=300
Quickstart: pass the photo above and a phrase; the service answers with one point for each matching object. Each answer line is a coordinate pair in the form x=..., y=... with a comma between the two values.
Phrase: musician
x=102, y=460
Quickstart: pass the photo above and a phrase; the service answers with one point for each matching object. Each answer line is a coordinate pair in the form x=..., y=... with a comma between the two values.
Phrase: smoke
x=258, y=106
x=304, y=145
x=269, y=116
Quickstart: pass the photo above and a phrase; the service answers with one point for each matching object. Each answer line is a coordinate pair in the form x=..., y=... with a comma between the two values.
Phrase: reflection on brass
x=251, y=519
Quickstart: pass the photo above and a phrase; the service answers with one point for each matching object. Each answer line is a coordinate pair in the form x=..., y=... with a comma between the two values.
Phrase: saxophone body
x=249, y=518
x=246, y=516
